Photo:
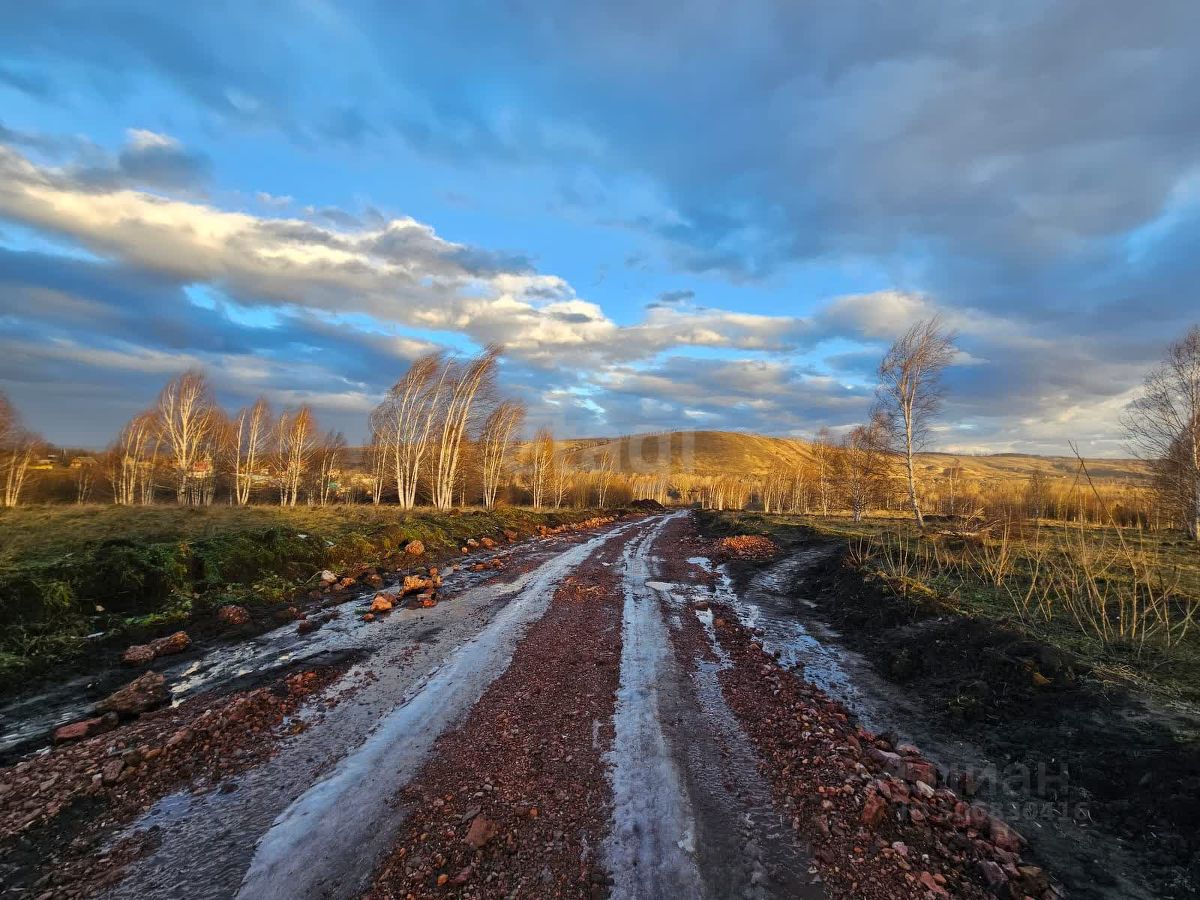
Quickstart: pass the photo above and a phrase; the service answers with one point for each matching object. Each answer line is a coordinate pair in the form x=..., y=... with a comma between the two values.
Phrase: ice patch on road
x=326, y=841
x=650, y=851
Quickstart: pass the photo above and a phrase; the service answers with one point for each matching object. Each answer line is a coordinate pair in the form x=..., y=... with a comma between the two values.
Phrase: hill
x=730, y=452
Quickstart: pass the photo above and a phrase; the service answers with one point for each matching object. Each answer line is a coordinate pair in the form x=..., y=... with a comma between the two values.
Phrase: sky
x=685, y=215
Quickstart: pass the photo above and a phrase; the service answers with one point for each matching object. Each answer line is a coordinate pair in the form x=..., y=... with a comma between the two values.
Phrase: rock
x=487, y=543
x=890, y=762
x=171, y=644
x=76, y=731
x=369, y=617
x=920, y=770
x=462, y=877
x=233, y=615
x=472, y=543
x=306, y=626
x=481, y=831
x=1003, y=835
x=414, y=584
x=1033, y=880
x=510, y=535
x=994, y=876
x=924, y=789
x=138, y=655
x=328, y=577
x=110, y=772
x=383, y=603
x=930, y=884
x=139, y=696
x=874, y=810
x=414, y=548
x=179, y=738
x=1040, y=680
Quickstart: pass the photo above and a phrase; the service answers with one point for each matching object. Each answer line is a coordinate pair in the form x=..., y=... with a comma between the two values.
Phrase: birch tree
x=250, y=446
x=467, y=382
x=329, y=462
x=910, y=390
x=185, y=424
x=128, y=459
x=541, y=456
x=863, y=464
x=604, y=476
x=18, y=447
x=1163, y=426
x=297, y=442
x=495, y=441
x=405, y=421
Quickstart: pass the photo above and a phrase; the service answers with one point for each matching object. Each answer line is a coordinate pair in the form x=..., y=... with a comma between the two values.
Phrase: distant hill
x=730, y=452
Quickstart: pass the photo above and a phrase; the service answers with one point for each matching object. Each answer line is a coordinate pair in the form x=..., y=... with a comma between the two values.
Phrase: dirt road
x=605, y=723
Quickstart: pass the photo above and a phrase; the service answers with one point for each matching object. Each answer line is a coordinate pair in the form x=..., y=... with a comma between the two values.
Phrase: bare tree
x=186, y=422
x=405, y=420
x=495, y=441
x=18, y=447
x=329, y=459
x=128, y=459
x=863, y=464
x=467, y=383
x=824, y=451
x=604, y=476
x=560, y=476
x=297, y=442
x=910, y=389
x=541, y=456
x=1163, y=426
x=377, y=458
x=249, y=448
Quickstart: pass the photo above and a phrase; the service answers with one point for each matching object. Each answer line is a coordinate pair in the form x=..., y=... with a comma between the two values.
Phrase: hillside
x=729, y=452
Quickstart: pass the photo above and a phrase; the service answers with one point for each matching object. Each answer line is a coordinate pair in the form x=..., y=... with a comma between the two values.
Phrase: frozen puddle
x=650, y=850
x=768, y=609
x=326, y=841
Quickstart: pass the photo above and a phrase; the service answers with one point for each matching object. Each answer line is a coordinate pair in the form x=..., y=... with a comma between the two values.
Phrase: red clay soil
x=516, y=801
x=59, y=808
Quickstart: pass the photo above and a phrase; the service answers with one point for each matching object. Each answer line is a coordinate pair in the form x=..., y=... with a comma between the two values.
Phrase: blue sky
x=712, y=215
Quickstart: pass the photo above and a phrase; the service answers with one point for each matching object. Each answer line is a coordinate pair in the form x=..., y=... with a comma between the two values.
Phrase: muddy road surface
x=610, y=716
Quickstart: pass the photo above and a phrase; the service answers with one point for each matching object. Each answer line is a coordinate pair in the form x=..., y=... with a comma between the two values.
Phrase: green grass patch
x=66, y=572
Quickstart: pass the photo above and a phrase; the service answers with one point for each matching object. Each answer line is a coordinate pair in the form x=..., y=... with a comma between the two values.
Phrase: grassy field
x=1127, y=603
x=69, y=571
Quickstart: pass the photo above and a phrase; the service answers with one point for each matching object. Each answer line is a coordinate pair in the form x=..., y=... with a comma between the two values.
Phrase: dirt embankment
x=1070, y=746
x=516, y=802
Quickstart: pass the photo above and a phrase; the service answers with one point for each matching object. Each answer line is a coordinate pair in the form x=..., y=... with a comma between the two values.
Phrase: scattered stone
x=874, y=810
x=171, y=644
x=233, y=615
x=139, y=696
x=327, y=577
x=138, y=655
x=110, y=772
x=487, y=543
x=481, y=831
x=510, y=535
x=383, y=603
x=76, y=731
x=414, y=548
x=369, y=617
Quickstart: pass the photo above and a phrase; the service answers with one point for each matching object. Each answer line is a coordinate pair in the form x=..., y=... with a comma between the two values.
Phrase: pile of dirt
x=745, y=546
x=1115, y=763
x=647, y=505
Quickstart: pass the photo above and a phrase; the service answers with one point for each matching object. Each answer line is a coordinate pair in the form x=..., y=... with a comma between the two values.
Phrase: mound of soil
x=647, y=505
x=1111, y=760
